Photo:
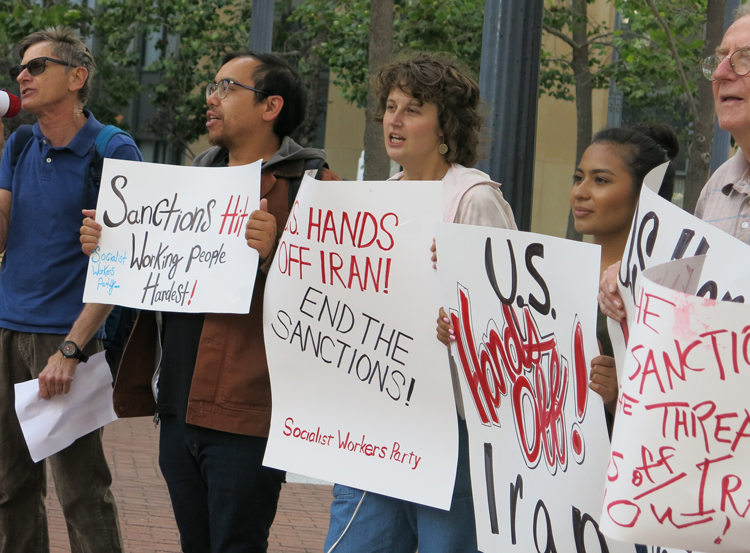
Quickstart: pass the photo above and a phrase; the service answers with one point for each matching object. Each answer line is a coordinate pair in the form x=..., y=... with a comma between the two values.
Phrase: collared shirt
x=44, y=269
x=725, y=200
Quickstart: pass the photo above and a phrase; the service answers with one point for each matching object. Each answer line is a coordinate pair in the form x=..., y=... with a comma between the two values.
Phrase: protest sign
x=361, y=386
x=523, y=309
x=173, y=238
x=681, y=438
x=661, y=232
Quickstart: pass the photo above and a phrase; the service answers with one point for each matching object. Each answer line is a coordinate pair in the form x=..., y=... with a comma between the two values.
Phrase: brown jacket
x=231, y=390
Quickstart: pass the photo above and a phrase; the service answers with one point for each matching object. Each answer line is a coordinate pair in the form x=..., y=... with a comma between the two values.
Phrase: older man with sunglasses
x=725, y=200
x=45, y=330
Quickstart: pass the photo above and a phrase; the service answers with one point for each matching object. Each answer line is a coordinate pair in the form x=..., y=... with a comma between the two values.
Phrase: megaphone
x=10, y=104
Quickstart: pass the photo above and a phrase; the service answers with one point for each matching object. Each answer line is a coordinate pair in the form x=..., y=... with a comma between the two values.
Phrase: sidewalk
x=131, y=446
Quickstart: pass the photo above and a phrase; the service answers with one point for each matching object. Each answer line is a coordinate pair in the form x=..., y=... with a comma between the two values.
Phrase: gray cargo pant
x=81, y=474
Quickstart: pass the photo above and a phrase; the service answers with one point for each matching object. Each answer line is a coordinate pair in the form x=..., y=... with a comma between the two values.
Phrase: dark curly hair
x=275, y=76
x=439, y=79
x=645, y=147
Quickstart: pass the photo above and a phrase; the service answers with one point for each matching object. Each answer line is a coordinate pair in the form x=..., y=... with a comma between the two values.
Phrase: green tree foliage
x=191, y=38
x=340, y=29
x=661, y=48
x=647, y=72
x=583, y=68
x=19, y=18
x=557, y=77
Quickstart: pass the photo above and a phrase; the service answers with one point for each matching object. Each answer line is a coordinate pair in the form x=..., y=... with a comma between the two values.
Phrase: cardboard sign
x=678, y=470
x=362, y=392
x=173, y=238
x=662, y=232
x=523, y=308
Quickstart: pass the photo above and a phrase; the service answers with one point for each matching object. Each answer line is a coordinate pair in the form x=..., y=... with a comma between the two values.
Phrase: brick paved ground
x=131, y=446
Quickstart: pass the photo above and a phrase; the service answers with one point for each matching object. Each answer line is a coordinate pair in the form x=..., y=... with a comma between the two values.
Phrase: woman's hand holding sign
x=445, y=331
x=609, y=298
x=603, y=378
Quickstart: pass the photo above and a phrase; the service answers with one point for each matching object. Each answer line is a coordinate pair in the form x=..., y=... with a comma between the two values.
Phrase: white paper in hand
x=52, y=425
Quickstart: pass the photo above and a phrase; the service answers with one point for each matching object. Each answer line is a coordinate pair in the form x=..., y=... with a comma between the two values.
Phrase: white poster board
x=661, y=232
x=678, y=471
x=51, y=425
x=361, y=386
x=173, y=237
x=523, y=308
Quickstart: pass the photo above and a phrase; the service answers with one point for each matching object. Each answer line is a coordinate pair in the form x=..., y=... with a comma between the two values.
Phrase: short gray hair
x=743, y=10
x=68, y=47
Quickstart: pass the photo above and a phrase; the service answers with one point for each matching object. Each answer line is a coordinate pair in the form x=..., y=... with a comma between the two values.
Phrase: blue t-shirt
x=44, y=270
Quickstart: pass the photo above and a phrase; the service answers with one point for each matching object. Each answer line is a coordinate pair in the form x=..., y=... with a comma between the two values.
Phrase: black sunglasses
x=35, y=67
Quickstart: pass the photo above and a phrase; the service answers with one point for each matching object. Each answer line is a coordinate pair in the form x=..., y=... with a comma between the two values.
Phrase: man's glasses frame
x=222, y=88
x=739, y=61
x=35, y=67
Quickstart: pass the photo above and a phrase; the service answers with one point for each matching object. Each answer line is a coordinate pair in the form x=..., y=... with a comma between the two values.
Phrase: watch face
x=69, y=349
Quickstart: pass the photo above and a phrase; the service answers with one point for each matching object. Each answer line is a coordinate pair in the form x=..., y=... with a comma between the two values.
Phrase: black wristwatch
x=71, y=351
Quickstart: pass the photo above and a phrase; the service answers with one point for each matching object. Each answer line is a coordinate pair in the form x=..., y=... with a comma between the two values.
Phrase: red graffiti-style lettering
x=519, y=361
x=662, y=485
x=642, y=312
x=741, y=431
x=703, y=467
x=648, y=461
x=668, y=515
x=626, y=402
x=612, y=477
x=726, y=493
x=620, y=515
x=649, y=367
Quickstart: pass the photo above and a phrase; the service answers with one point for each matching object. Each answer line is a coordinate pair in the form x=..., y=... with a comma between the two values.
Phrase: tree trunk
x=580, y=66
x=377, y=163
x=699, y=152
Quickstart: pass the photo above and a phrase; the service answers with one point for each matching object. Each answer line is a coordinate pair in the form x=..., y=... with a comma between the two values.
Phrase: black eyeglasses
x=35, y=67
x=222, y=88
x=739, y=61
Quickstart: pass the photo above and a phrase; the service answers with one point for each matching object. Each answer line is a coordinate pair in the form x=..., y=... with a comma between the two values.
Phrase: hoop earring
x=443, y=148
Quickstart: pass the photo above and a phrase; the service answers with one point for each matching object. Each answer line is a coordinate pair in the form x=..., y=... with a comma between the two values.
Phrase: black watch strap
x=70, y=350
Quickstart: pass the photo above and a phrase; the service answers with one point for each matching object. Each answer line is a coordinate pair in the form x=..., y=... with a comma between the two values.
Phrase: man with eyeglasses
x=214, y=395
x=725, y=200
x=45, y=330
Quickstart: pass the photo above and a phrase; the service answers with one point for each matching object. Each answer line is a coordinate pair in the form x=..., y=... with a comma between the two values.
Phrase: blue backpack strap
x=94, y=171
x=105, y=135
x=21, y=137
x=121, y=320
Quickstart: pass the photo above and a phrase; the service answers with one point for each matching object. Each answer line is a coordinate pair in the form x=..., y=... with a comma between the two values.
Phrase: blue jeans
x=224, y=499
x=388, y=525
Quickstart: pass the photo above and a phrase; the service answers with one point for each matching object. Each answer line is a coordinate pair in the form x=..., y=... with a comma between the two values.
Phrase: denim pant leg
x=451, y=531
x=223, y=498
x=81, y=474
x=379, y=526
x=187, y=488
x=23, y=483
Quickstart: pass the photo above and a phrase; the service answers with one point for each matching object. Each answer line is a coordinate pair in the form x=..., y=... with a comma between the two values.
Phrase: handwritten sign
x=362, y=392
x=678, y=471
x=523, y=307
x=662, y=232
x=173, y=238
